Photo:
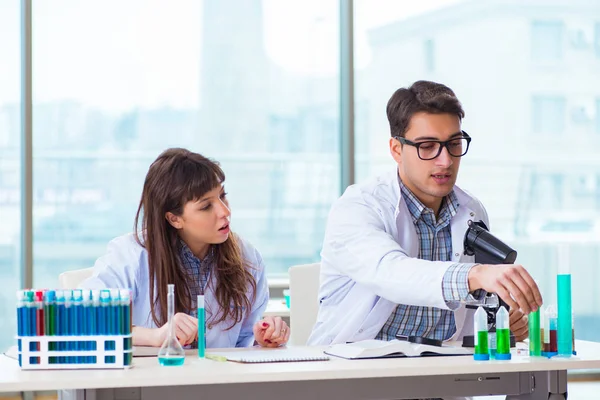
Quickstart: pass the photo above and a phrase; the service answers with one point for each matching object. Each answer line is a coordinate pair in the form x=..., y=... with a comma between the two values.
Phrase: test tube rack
x=34, y=352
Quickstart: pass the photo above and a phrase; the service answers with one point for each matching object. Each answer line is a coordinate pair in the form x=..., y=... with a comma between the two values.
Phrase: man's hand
x=511, y=282
x=519, y=324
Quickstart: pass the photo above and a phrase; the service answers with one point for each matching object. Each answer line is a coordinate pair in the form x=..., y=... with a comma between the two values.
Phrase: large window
x=10, y=167
x=522, y=160
x=547, y=40
x=252, y=84
x=548, y=115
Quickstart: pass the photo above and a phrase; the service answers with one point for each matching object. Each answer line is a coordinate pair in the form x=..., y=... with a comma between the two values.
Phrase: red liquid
x=553, y=341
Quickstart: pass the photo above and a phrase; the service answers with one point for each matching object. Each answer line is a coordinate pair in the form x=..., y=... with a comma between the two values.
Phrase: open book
x=394, y=348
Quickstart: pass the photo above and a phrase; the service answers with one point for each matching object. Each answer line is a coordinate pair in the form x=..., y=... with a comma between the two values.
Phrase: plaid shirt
x=197, y=271
x=435, y=245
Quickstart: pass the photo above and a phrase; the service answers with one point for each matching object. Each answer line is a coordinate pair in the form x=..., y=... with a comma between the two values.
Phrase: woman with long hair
x=182, y=237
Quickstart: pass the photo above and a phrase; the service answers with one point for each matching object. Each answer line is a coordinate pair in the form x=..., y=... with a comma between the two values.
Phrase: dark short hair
x=421, y=96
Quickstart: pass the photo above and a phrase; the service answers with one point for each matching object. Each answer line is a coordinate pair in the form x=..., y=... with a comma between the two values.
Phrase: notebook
x=273, y=355
x=394, y=348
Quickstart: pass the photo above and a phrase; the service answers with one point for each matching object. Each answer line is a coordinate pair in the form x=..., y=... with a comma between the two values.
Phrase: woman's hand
x=184, y=326
x=271, y=332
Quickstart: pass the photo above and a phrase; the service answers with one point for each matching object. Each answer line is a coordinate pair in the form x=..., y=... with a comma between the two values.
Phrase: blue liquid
x=90, y=317
x=125, y=314
x=171, y=361
x=101, y=320
x=21, y=317
x=201, y=333
x=565, y=328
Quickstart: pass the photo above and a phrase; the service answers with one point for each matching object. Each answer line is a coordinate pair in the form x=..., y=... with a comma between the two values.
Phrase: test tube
x=31, y=316
x=535, y=346
x=86, y=296
x=115, y=315
x=94, y=314
x=481, y=335
x=201, y=327
x=77, y=322
x=573, y=325
x=125, y=296
x=31, y=320
x=503, y=334
x=50, y=314
x=58, y=321
x=563, y=284
x=21, y=314
x=552, y=323
x=103, y=312
x=39, y=311
x=68, y=317
x=21, y=320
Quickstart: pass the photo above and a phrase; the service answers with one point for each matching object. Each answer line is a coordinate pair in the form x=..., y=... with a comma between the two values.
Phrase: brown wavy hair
x=176, y=177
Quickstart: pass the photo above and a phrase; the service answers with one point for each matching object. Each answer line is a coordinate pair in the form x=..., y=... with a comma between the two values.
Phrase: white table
x=521, y=378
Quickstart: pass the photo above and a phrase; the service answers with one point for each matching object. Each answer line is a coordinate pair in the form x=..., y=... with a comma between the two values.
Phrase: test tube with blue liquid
x=565, y=317
x=21, y=319
x=87, y=328
x=94, y=314
x=125, y=297
x=201, y=327
x=60, y=318
x=77, y=322
x=171, y=353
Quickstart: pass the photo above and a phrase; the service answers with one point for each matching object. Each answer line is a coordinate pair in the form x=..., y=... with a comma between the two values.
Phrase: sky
x=119, y=55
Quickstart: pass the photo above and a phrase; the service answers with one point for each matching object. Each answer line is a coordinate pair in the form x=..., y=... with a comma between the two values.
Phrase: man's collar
x=416, y=207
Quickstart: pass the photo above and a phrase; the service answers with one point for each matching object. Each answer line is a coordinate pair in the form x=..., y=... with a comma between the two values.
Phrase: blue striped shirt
x=197, y=271
x=435, y=245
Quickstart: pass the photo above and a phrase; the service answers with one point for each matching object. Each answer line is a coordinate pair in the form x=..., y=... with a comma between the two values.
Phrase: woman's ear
x=174, y=220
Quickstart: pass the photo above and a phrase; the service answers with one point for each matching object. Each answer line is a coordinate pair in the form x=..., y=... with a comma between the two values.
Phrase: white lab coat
x=369, y=262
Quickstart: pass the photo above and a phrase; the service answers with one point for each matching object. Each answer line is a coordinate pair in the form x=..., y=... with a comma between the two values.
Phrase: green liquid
x=535, y=336
x=503, y=341
x=171, y=361
x=565, y=329
x=482, y=343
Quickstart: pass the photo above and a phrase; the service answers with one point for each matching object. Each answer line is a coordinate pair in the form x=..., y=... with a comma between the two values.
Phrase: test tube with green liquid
x=535, y=336
x=503, y=335
x=481, y=335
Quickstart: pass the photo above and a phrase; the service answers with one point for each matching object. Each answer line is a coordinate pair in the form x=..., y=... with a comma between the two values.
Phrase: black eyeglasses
x=430, y=149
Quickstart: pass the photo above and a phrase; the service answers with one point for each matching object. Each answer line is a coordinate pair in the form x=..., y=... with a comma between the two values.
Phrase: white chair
x=72, y=279
x=304, y=301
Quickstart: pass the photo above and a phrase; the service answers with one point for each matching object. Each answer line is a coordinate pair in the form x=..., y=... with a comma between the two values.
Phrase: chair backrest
x=72, y=279
x=304, y=301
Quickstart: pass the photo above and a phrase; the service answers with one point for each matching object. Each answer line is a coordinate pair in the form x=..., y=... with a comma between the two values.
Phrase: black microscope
x=487, y=249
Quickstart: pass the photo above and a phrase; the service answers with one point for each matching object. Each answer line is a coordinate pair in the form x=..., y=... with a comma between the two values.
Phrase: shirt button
x=472, y=214
x=457, y=254
x=455, y=295
x=360, y=331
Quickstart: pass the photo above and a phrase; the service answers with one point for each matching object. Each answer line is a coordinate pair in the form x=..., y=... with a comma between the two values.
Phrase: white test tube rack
x=42, y=356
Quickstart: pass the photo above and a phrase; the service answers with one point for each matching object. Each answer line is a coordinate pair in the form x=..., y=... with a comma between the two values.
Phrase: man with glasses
x=392, y=263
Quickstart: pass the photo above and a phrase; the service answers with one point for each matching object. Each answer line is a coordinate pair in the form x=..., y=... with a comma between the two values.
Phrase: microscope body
x=487, y=249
